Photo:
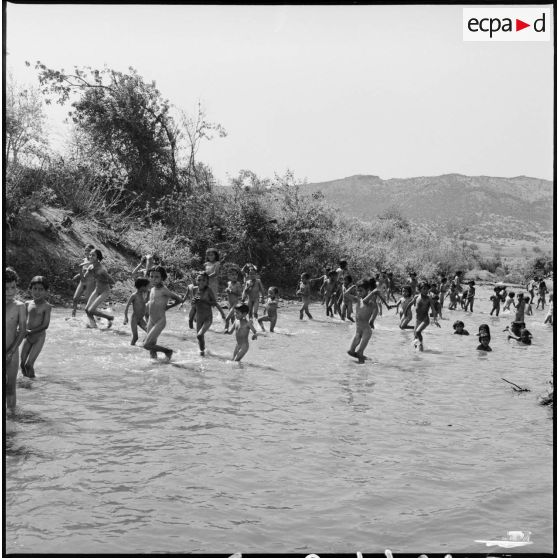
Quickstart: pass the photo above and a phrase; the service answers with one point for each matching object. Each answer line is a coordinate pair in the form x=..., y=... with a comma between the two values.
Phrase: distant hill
x=497, y=207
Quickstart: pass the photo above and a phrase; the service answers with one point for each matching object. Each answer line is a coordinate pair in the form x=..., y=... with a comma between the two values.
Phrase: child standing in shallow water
x=270, y=309
x=252, y=291
x=304, y=292
x=204, y=301
x=158, y=305
x=139, y=307
x=15, y=318
x=424, y=305
x=38, y=320
x=243, y=328
x=234, y=292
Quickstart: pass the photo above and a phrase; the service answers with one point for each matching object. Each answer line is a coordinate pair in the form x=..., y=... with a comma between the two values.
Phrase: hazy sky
x=326, y=91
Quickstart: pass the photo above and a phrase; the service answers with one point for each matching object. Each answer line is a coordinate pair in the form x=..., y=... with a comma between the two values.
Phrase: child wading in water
x=86, y=285
x=252, y=291
x=469, y=301
x=330, y=287
x=234, y=292
x=103, y=283
x=242, y=327
x=204, y=301
x=348, y=287
x=15, y=318
x=405, y=305
x=495, y=298
x=271, y=305
x=158, y=305
x=484, y=338
x=365, y=305
x=139, y=307
x=304, y=292
x=38, y=320
x=424, y=305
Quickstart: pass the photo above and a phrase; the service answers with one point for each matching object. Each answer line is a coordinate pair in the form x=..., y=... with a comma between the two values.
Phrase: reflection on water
x=298, y=448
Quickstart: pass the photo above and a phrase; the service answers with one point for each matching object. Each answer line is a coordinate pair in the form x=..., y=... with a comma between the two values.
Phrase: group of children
x=359, y=302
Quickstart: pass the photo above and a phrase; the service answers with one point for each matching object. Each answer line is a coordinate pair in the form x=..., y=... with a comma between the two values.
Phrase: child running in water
x=453, y=296
x=346, y=302
x=243, y=328
x=424, y=305
x=550, y=316
x=405, y=305
x=103, y=283
x=270, y=309
x=204, y=301
x=139, y=307
x=375, y=295
x=304, y=292
x=38, y=320
x=252, y=291
x=158, y=306
x=234, y=292
x=365, y=305
x=86, y=285
x=15, y=318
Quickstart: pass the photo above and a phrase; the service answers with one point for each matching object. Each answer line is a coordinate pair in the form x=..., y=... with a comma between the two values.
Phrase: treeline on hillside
x=131, y=163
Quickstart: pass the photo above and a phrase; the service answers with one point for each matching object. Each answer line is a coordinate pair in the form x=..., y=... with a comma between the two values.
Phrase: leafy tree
x=125, y=118
x=24, y=123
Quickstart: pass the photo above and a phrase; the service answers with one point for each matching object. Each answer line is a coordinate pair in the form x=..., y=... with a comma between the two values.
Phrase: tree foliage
x=125, y=118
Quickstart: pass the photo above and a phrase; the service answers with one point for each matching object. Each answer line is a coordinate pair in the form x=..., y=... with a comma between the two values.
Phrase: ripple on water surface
x=299, y=448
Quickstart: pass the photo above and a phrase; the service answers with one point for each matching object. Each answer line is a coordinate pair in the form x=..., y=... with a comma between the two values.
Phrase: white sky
x=326, y=91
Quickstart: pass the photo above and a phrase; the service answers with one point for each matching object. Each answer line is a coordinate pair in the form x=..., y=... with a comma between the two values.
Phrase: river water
x=296, y=449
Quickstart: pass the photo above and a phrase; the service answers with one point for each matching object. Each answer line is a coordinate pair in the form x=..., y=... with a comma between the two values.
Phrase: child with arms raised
x=139, y=307
x=38, y=320
x=158, y=306
x=15, y=319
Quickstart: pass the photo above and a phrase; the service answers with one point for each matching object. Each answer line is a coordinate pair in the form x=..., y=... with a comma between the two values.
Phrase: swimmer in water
x=243, y=327
x=158, y=305
x=459, y=328
x=38, y=320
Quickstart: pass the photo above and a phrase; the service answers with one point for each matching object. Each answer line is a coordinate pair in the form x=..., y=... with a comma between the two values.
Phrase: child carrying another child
x=139, y=307
x=38, y=320
x=158, y=306
x=203, y=302
x=15, y=320
x=242, y=327
x=271, y=305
